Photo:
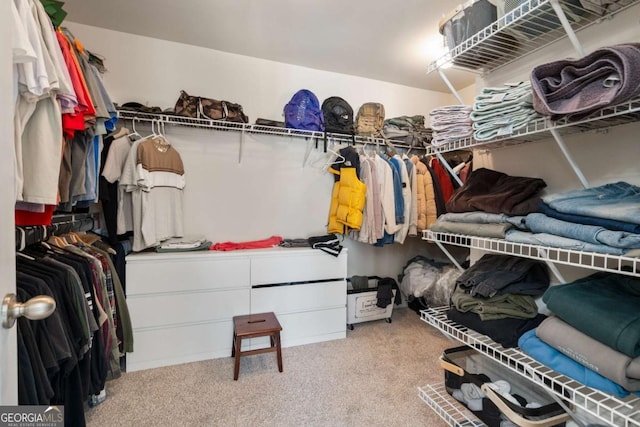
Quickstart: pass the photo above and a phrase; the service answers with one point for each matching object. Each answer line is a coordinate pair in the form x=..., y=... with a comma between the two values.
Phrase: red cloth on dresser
x=254, y=244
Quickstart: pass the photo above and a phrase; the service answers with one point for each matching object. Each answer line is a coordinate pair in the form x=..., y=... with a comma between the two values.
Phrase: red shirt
x=76, y=120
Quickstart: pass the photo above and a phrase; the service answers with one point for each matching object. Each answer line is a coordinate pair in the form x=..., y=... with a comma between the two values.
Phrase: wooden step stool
x=253, y=326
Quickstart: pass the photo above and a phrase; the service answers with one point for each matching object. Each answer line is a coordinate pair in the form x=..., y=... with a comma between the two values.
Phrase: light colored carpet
x=369, y=379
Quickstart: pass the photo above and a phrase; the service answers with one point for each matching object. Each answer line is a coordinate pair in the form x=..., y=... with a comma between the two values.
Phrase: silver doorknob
x=39, y=307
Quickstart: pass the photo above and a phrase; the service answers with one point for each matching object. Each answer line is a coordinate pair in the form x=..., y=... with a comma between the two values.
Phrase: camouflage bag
x=370, y=119
x=198, y=107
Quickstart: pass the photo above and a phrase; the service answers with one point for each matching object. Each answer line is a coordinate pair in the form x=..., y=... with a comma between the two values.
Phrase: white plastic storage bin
x=361, y=304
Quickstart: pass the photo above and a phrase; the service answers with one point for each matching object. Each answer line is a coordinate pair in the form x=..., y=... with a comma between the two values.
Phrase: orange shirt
x=75, y=121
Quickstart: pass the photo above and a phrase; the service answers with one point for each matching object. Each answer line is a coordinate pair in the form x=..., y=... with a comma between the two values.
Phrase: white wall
x=468, y=94
x=153, y=72
x=270, y=192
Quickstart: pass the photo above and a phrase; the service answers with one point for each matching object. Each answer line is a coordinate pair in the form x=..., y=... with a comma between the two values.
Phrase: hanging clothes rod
x=60, y=224
x=245, y=128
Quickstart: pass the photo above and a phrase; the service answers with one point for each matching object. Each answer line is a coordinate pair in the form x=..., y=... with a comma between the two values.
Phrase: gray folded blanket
x=578, y=87
x=593, y=354
x=496, y=231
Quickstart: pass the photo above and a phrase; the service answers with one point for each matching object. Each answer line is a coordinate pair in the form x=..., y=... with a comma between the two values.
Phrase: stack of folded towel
x=576, y=88
x=501, y=111
x=450, y=123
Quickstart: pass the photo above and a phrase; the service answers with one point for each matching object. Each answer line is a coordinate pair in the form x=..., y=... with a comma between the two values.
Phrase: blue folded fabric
x=609, y=224
x=619, y=201
x=540, y=223
x=549, y=356
x=547, y=239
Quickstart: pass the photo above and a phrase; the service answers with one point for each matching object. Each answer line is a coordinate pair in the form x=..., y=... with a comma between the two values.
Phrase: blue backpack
x=304, y=112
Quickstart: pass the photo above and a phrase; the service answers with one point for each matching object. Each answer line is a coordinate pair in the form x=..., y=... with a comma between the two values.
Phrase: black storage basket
x=458, y=368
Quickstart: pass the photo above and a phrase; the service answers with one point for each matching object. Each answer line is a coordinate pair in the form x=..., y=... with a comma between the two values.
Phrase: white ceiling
x=387, y=40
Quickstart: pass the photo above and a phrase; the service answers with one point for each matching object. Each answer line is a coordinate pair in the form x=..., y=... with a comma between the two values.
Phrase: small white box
x=361, y=305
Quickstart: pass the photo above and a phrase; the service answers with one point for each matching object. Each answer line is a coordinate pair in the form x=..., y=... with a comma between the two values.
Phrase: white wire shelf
x=524, y=30
x=616, y=115
x=220, y=125
x=625, y=113
x=592, y=260
x=610, y=409
x=447, y=408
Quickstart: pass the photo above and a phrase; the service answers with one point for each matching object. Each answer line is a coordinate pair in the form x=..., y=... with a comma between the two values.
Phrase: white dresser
x=182, y=304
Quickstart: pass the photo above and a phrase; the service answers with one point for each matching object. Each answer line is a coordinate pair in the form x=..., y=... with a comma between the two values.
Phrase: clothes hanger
x=339, y=158
x=390, y=149
x=159, y=140
x=335, y=158
x=22, y=240
x=23, y=255
x=87, y=238
x=135, y=132
x=364, y=149
x=73, y=237
x=376, y=151
x=153, y=129
x=123, y=131
x=57, y=241
x=138, y=136
x=163, y=133
x=320, y=159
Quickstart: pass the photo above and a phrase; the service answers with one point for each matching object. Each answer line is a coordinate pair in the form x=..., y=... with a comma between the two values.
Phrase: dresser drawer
x=308, y=327
x=297, y=267
x=183, y=308
x=180, y=344
x=152, y=276
x=299, y=297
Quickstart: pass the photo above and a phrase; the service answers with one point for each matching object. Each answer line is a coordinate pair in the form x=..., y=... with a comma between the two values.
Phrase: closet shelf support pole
x=554, y=269
x=448, y=167
x=567, y=155
x=567, y=409
x=450, y=86
x=448, y=254
x=242, y=133
x=555, y=4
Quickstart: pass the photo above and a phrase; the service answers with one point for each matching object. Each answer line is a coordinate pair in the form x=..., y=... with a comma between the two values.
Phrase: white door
x=8, y=344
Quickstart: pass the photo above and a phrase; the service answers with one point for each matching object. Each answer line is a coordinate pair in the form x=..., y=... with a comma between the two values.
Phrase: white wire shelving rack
x=447, y=408
x=537, y=130
x=592, y=260
x=531, y=26
x=522, y=31
x=171, y=119
x=618, y=412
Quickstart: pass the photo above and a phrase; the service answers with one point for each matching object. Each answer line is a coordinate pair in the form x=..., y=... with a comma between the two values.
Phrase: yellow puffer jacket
x=334, y=226
x=347, y=202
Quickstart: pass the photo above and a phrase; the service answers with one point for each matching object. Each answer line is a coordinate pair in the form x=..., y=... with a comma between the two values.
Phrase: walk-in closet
x=232, y=213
